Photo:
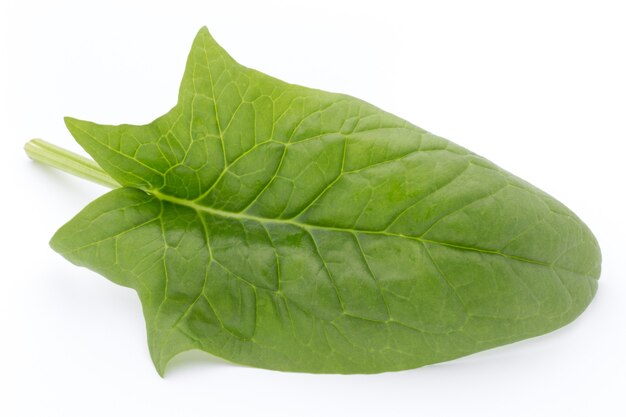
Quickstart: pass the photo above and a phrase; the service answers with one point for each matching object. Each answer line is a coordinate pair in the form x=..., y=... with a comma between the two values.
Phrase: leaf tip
x=203, y=33
x=70, y=122
x=78, y=128
x=160, y=364
x=160, y=370
x=57, y=242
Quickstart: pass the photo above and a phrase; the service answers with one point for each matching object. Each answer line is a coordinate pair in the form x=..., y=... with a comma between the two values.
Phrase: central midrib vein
x=243, y=216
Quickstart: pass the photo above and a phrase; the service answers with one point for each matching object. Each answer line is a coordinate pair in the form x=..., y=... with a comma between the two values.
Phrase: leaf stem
x=41, y=151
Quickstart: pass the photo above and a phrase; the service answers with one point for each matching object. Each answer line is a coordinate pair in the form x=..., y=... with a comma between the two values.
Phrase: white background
x=539, y=87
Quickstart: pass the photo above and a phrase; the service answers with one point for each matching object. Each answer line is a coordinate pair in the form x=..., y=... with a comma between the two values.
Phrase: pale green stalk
x=41, y=151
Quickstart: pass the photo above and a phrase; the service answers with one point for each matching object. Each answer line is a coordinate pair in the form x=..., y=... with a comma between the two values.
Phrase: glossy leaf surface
x=289, y=228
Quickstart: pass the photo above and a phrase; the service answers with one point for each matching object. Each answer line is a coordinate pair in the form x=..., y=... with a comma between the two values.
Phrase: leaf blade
x=294, y=229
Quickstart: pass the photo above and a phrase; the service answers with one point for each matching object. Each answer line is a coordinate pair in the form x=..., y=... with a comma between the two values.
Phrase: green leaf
x=289, y=228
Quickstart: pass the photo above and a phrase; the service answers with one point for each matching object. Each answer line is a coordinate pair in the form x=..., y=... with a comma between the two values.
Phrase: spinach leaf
x=289, y=228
